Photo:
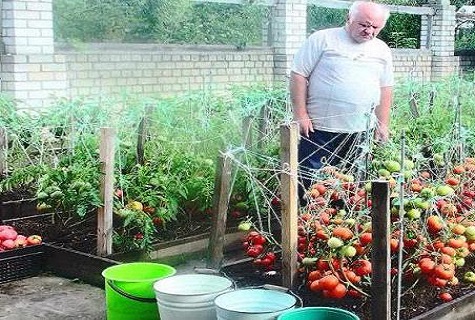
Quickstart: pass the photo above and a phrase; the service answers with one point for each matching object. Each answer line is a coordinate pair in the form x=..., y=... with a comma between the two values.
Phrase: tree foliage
x=188, y=22
x=161, y=21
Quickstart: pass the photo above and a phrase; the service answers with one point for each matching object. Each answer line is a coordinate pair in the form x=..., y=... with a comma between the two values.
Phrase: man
x=341, y=88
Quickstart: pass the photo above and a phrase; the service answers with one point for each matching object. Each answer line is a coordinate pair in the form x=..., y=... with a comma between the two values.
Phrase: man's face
x=364, y=27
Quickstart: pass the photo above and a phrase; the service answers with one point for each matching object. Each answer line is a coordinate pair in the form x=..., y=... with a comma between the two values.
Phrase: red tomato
x=354, y=293
x=434, y=224
x=343, y=233
x=426, y=265
x=34, y=239
x=314, y=275
x=254, y=251
x=315, y=286
x=362, y=267
x=338, y=292
x=329, y=282
x=445, y=296
x=444, y=271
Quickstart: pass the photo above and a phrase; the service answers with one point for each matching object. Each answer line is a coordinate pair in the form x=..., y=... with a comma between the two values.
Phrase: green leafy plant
x=136, y=231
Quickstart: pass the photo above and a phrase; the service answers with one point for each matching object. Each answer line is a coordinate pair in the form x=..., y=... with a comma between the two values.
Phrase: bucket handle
x=215, y=272
x=128, y=295
x=283, y=289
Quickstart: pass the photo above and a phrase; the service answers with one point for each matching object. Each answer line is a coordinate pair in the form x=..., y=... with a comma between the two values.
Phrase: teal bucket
x=318, y=313
x=254, y=304
x=129, y=290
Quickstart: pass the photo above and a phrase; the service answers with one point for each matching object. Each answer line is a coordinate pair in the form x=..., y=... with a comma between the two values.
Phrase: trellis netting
x=169, y=181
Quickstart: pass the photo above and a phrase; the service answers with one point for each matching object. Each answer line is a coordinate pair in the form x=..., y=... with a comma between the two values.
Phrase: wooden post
x=142, y=134
x=3, y=148
x=222, y=188
x=104, y=213
x=263, y=126
x=247, y=131
x=380, y=256
x=289, y=196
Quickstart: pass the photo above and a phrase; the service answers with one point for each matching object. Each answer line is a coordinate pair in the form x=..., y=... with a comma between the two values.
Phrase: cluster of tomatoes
x=254, y=243
x=333, y=251
x=446, y=233
x=438, y=231
x=10, y=239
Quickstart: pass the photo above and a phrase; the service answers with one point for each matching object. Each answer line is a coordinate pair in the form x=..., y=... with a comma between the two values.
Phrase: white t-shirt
x=344, y=79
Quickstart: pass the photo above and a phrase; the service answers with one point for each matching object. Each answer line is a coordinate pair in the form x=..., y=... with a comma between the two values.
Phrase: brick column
x=28, y=26
x=30, y=71
x=439, y=34
x=289, y=30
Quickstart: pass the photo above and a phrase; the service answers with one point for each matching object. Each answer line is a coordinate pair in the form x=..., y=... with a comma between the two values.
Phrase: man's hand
x=305, y=125
x=381, y=134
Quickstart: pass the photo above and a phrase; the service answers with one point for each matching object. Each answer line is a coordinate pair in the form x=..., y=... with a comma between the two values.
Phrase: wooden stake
x=263, y=126
x=380, y=256
x=222, y=188
x=104, y=214
x=142, y=134
x=3, y=148
x=247, y=131
x=289, y=200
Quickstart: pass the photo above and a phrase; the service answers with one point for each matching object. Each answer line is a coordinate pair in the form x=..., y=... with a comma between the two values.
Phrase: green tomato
x=413, y=214
x=444, y=190
x=392, y=166
x=427, y=193
x=408, y=164
x=335, y=242
x=469, y=276
x=460, y=262
x=309, y=261
x=348, y=251
x=470, y=232
x=244, y=226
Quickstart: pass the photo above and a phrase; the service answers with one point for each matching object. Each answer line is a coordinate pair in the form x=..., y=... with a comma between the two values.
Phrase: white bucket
x=253, y=304
x=190, y=296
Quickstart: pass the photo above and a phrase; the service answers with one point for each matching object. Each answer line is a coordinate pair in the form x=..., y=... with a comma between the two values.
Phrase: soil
x=81, y=235
x=50, y=297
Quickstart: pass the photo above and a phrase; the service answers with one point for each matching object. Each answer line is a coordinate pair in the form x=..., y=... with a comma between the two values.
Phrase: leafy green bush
x=162, y=21
x=54, y=153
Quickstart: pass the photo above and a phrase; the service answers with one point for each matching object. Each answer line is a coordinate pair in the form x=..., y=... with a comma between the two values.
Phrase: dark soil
x=19, y=209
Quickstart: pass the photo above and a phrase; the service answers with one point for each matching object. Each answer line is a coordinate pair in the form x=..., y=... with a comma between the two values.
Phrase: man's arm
x=298, y=97
x=383, y=112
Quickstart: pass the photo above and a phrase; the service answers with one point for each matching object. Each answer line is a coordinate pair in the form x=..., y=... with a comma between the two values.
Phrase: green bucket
x=129, y=290
x=318, y=313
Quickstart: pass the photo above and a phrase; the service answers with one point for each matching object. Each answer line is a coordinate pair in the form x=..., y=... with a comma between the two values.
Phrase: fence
x=34, y=71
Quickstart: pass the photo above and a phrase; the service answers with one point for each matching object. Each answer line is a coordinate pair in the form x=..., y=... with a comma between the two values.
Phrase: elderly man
x=341, y=87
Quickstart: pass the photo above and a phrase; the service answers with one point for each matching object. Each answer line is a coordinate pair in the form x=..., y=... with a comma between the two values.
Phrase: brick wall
x=412, y=63
x=34, y=80
x=152, y=70
x=169, y=70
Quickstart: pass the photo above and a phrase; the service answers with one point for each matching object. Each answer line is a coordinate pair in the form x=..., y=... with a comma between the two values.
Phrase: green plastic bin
x=318, y=313
x=129, y=290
